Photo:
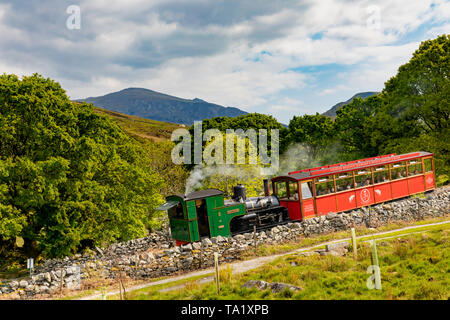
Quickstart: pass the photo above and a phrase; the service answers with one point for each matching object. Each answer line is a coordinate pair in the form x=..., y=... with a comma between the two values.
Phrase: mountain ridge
x=159, y=106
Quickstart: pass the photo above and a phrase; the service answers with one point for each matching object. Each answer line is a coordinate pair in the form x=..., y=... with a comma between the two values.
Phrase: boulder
x=259, y=284
x=337, y=245
x=277, y=287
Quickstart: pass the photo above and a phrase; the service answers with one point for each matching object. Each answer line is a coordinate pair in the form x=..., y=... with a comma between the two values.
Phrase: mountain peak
x=154, y=105
x=332, y=111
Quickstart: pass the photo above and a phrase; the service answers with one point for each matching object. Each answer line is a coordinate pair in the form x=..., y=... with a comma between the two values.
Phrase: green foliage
x=68, y=176
x=253, y=121
x=411, y=113
x=316, y=131
x=415, y=111
x=351, y=125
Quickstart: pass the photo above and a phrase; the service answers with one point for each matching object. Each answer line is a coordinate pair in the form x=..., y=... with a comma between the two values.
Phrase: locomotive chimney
x=266, y=187
x=239, y=193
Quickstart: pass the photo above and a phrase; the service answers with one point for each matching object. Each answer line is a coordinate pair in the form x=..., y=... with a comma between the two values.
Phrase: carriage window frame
x=425, y=161
x=377, y=172
x=307, y=192
x=292, y=193
x=176, y=213
x=341, y=178
x=327, y=181
x=412, y=167
x=361, y=176
x=395, y=168
x=277, y=189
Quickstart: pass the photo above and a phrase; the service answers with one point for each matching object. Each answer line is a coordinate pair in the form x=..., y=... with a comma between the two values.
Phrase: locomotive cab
x=200, y=214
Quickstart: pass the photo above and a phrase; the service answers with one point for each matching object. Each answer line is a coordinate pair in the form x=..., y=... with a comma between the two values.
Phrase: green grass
x=153, y=291
x=265, y=250
x=442, y=179
x=415, y=266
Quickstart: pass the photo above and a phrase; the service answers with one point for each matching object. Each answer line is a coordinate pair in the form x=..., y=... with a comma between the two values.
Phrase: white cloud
x=154, y=44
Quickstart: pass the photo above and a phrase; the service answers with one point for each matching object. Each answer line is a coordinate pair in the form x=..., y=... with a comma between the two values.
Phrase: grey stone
x=196, y=245
x=248, y=236
x=259, y=284
x=221, y=239
x=187, y=247
x=38, y=278
x=279, y=286
x=100, y=251
x=176, y=250
x=48, y=277
x=14, y=285
x=206, y=242
x=337, y=245
x=44, y=289
x=23, y=284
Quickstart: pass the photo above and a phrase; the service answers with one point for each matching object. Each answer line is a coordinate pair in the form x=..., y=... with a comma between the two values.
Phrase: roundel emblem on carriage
x=429, y=180
x=365, y=195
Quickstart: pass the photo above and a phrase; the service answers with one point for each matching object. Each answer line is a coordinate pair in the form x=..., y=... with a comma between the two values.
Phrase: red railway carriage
x=354, y=184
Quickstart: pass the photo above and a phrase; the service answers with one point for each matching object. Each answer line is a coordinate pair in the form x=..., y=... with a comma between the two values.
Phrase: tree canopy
x=69, y=177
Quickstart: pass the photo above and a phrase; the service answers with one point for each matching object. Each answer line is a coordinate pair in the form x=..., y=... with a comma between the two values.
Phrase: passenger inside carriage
x=294, y=196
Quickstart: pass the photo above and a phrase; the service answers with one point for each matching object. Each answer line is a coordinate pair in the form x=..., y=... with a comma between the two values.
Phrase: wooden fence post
x=216, y=264
x=254, y=239
x=355, y=250
x=376, y=270
x=320, y=222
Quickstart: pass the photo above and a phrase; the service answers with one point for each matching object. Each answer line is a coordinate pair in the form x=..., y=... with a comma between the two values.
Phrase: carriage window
x=177, y=212
x=344, y=181
x=414, y=167
x=293, y=190
x=381, y=174
x=428, y=165
x=281, y=191
x=398, y=170
x=363, y=178
x=307, y=190
x=324, y=185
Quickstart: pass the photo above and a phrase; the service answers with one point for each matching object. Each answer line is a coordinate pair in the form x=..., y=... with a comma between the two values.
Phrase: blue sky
x=283, y=58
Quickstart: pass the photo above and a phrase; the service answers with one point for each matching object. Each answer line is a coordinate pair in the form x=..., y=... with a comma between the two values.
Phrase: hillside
x=162, y=107
x=141, y=127
x=332, y=111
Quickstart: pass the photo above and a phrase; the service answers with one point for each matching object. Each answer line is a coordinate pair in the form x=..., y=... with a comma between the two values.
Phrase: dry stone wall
x=156, y=255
